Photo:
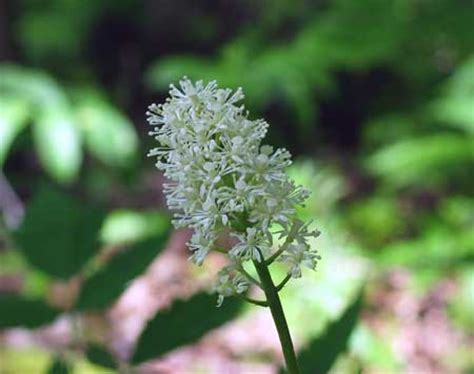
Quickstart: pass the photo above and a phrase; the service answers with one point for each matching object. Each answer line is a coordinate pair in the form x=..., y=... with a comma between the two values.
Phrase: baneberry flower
x=224, y=183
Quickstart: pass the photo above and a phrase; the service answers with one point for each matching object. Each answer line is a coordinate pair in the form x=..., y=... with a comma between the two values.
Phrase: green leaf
x=58, y=143
x=17, y=311
x=126, y=226
x=32, y=85
x=184, y=323
x=456, y=111
x=107, y=284
x=99, y=355
x=56, y=136
x=59, y=366
x=12, y=120
x=49, y=33
x=322, y=352
x=109, y=134
x=439, y=246
x=59, y=234
x=421, y=159
x=455, y=107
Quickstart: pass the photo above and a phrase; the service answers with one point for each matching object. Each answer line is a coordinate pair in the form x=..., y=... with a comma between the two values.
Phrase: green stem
x=289, y=239
x=276, y=309
x=253, y=301
x=283, y=283
x=248, y=276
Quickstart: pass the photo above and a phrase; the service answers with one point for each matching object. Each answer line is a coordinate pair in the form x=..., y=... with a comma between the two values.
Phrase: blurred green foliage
x=332, y=342
x=62, y=123
x=375, y=98
x=18, y=311
x=59, y=234
x=96, y=354
x=346, y=36
x=59, y=366
x=185, y=323
x=108, y=283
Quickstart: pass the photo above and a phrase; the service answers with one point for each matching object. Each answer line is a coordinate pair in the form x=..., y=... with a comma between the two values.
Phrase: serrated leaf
x=58, y=143
x=184, y=323
x=107, y=284
x=13, y=114
x=99, y=355
x=109, y=135
x=17, y=311
x=59, y=234
x=321, y=353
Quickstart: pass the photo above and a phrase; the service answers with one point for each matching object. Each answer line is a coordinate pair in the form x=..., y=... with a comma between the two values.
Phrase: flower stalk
x=224, y=184
x=273, y=300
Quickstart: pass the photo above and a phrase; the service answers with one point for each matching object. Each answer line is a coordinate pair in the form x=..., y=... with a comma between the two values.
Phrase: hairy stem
x=276, y=309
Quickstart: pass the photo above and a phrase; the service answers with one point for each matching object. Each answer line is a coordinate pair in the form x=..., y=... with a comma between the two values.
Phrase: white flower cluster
x=223, y=182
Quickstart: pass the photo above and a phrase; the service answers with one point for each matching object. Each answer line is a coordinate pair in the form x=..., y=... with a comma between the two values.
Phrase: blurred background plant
x=375, y=99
